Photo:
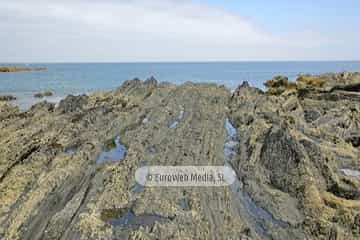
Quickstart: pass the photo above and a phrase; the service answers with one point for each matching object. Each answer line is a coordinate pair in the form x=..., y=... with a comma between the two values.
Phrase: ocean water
x=78, y=78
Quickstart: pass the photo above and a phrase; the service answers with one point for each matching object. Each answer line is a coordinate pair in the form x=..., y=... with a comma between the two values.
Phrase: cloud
x=139, y=30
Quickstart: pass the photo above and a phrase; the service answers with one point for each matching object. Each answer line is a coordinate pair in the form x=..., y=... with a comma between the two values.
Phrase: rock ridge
x=295, y=150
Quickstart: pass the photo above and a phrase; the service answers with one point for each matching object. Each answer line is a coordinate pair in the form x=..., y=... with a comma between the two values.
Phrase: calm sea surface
x=69, y=78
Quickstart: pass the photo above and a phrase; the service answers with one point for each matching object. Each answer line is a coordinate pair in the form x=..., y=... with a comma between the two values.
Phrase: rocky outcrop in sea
x=67, y=171
x=7, y=69
x=7, y=98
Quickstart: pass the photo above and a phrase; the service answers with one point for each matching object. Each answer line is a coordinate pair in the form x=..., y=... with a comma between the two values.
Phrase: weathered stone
x=289, y=153
x=72, y=103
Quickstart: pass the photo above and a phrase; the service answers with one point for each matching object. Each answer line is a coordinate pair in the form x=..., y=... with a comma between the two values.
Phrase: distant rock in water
x=44, y=94
x=7, y=98
x=4, y=69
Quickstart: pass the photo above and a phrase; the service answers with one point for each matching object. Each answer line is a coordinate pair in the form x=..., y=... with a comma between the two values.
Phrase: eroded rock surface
x=289, y=152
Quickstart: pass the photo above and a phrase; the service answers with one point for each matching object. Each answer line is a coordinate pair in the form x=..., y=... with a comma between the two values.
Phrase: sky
x=178, y=30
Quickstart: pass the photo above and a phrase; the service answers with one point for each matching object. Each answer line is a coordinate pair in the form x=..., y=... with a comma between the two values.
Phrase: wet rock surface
x=295, y=153
x=126, y=219
x=116, y=153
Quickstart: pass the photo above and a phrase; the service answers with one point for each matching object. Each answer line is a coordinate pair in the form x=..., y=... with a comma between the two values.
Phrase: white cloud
x=138, y=30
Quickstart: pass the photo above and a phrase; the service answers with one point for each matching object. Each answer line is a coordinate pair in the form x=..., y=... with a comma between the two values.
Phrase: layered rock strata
x=296, y=156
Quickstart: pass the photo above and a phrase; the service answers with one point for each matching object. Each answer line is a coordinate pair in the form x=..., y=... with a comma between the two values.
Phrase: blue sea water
x=78, y=78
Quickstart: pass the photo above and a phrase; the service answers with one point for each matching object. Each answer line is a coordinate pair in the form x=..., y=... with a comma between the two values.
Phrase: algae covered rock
x=276, y=82
x=278, y=85
x=309, y=80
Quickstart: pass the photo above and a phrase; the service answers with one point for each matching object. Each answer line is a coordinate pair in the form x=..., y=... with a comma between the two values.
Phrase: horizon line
x=171, y=62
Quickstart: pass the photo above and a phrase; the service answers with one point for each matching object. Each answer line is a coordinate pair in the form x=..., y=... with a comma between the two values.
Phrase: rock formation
x=43, y=94
x=7, y=98
x=296, y=156
x=20, y=69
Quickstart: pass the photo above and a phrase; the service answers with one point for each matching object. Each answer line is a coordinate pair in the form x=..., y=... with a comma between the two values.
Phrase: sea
x=85, y=78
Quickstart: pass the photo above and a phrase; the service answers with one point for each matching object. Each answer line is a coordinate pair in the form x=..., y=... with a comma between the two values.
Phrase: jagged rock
x=301, y=159
x=42, y=106
x=281, y=156
x=289, y=153
x=72, y=103
x=7, y=111
x=151, y=80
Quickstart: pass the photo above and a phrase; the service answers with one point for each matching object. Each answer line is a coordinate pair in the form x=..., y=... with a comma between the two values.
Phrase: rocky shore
x=295, y=150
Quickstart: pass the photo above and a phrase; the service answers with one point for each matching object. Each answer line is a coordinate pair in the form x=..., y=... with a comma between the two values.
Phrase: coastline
x=179, y=120
x=26, y=100
x=75, y=79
